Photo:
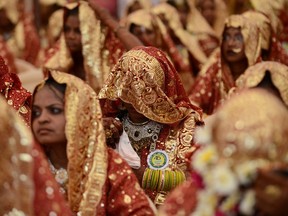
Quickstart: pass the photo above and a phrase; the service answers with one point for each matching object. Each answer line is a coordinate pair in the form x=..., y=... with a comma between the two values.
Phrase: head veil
x=145, y=78
x=86, y=147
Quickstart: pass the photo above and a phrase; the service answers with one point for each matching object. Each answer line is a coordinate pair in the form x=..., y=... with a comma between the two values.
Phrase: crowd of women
x=176, y=107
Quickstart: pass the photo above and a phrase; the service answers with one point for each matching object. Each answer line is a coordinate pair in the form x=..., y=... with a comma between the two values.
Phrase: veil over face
x=145, y=78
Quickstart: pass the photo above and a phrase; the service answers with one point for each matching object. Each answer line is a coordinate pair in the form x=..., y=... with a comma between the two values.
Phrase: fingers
x=113, y=130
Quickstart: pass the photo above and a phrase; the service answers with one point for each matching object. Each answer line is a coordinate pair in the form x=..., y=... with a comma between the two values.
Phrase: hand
x=271, y=193
x=113, y=130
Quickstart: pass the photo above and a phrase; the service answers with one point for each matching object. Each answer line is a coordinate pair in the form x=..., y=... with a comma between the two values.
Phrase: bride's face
x=48, y=119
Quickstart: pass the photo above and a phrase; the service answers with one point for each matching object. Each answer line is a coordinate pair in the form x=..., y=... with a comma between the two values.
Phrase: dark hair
x=268, y=84
x=52, y=85
x=73, y=12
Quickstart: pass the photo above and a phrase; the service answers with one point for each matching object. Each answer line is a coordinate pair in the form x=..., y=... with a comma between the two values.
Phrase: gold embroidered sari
x=254, y=75
x=99, y=180
x=100, y=50
x=146, y=79
x=23, y=42
x=213, y=85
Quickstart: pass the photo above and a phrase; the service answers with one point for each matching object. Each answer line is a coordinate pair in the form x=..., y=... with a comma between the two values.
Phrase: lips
x=231, y=53
x=44, y=131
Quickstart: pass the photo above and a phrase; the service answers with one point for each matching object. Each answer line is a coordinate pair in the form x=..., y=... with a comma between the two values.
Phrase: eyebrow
x=54, y=104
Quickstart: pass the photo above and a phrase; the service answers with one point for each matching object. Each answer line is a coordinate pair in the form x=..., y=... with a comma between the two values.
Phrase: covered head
x=146, y=79
x=264, y=75
x=86, y=147
x=147, y=27
x=251, y=36
x=11, y=10
x=264, y=24
x=248, y=132
x=251, y=125
x=91, y=42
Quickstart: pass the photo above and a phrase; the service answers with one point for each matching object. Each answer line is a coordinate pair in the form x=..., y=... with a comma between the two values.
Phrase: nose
x=71, y=35
x=231, y=42
x=44, y=117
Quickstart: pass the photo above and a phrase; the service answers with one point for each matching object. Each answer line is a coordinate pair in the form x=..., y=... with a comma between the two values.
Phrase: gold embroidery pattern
x=138, y=79
x=16, y=163
x=255, y=74
x=251, y=35
x=96, y=56
x=86, y=148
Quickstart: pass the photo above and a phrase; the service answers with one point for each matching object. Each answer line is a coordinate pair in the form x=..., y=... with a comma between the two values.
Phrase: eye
x=55, y=110
x=36, y=113
x=239, y=37
x=226, y=37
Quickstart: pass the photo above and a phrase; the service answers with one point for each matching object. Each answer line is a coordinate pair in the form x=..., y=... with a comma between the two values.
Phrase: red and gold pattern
x=145, y=78
x=16, y=96
x=100, y=49
x=269, y=43
x=255, y=74
x=100, y=182
x=250, y=126
x=151, y=21
x=24, y=42
x=212, y=86
x=27, y=185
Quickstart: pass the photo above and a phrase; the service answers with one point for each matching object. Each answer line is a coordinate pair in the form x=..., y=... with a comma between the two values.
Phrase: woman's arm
x=127, y=38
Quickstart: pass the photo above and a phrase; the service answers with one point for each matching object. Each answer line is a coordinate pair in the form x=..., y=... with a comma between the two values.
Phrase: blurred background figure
x=241, y=165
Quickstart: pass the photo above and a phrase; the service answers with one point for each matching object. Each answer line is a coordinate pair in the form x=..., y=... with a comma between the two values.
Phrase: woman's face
x=146, y=36
x=72, y=34
x=207, y=9
x=48, y=119
x=233, y=49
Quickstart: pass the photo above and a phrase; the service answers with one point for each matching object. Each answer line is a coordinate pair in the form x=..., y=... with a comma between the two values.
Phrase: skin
x=73, y=37
x=133, y=115
x=146, y=36
x=233, y=51
x=207, y=9
x=72, y=34
x=48, y=124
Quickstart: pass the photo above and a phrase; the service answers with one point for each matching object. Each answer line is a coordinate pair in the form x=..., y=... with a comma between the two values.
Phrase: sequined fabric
x=27, y=185
x=255, y=74
x=212, y=86
x=250, y=126
x=180, y=58
x=91, y=189
x=16, y=96
x=16, y=177
x=270, y=42
x=95, y=48
x=23, y=42
x=145, y=78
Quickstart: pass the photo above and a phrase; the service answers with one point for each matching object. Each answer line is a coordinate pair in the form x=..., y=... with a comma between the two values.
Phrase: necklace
x=61, y=176
x=142, y=134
